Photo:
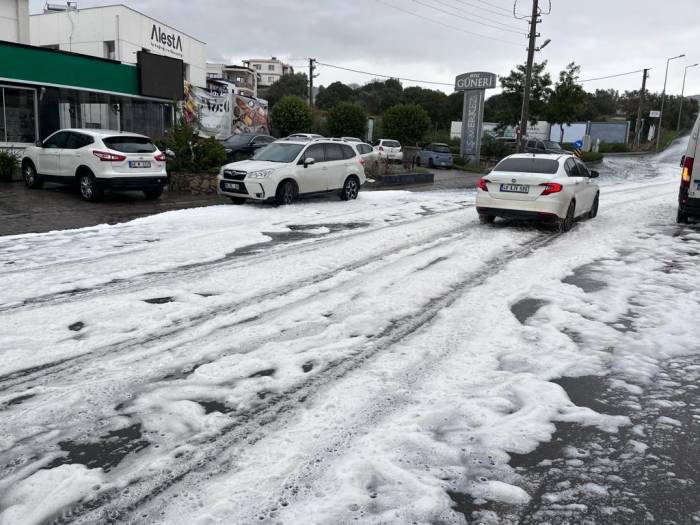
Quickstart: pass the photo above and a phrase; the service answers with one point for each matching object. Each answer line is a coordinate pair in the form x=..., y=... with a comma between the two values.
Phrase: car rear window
x=126, y=144
x=391, y=144
x=441, y=149
x=528, y=165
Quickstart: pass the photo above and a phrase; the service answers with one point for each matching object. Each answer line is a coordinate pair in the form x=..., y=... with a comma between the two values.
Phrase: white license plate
x=515, y=188
x=139, y=164
x=232, y=186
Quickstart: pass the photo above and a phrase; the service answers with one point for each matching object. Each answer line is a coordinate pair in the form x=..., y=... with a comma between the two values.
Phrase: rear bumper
x=538, y=209
x=132, y=183
x=688, y=205
x=520, y=215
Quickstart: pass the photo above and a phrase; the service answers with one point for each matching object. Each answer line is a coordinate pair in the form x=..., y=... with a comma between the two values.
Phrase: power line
x=493, y=5
x=448, y=25
x=611, y=76
x=511, y=29
x=386, y=76
x=484, y=9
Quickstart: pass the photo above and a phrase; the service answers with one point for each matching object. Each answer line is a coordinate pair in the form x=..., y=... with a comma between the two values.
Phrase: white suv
x=289, y=167
x=96, y=160
x=388, y=149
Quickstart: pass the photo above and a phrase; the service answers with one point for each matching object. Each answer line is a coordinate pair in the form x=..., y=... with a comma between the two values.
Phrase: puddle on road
x=585, y=278
x=263, y=373
x=159, y=300
x=215, y=406
x=526, y=308
x=107, y=453
x=76, y=327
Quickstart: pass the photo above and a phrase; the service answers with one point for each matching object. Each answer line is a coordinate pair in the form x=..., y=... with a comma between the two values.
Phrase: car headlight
x=261, y=174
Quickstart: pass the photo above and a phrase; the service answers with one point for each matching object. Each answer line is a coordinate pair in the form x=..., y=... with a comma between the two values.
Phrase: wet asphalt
x=58, y=207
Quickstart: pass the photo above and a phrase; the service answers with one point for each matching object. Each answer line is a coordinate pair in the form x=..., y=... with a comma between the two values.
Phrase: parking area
x=57, y=207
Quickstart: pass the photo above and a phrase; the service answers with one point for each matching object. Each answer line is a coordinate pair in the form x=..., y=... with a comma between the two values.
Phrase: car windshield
x=279, y=152
x=439, y=148
x=127, y=144
x=237, y=140
x=552, y=145
x=528, y=165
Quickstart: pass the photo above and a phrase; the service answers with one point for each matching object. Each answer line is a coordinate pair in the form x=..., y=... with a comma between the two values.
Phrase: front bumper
x=248, y=189
x=132, y=183
x=543, y=208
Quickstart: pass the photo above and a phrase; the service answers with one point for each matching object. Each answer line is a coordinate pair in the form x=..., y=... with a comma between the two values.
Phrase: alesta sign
x=475, y=80
x=170, y=43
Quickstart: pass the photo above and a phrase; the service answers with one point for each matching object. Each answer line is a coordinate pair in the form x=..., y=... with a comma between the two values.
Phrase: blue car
x=435, y=155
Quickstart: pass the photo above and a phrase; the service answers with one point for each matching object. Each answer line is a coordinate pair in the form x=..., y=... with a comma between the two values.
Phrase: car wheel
x=594, y=209
x=487, y=219
x=681, y=218
x=238, y=200
x=566, y=223
x=89, y=190
x=31, y=177
x=350, y=189
x=286, y=193
x=153, y=193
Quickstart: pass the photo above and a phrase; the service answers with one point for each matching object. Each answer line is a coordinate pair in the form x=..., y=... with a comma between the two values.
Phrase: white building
x=269, y=69
x=14, y=21
x=117, y=32
x=244, y=79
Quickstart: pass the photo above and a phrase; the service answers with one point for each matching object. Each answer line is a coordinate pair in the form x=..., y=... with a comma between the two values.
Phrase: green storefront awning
x=36, y=65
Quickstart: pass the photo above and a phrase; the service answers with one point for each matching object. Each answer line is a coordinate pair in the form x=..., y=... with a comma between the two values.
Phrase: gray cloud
x=605, y=37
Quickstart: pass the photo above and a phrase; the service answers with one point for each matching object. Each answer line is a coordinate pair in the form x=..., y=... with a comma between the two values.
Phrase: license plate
x=232, y=186
x=139, y=164
x=515, y=188
x=442, y=163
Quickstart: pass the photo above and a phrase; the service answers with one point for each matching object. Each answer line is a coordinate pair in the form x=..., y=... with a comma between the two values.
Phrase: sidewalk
x=444, y=180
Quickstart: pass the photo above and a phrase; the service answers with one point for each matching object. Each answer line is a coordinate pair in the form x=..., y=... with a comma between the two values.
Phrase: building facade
x=14, y=21
x=117, y=32
x=269, y=69
x=244, y=79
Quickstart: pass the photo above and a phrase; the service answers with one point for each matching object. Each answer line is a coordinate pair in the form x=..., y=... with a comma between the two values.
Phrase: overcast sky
x=605, y=37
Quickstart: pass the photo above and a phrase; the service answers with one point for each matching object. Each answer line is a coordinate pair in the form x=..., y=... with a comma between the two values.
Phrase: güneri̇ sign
x=474, y=86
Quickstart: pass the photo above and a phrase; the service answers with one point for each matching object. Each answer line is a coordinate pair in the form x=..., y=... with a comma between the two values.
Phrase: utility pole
x=680, y=110
x=525, y=115
x=663, y=101
x=312, y=67
x=638, y=125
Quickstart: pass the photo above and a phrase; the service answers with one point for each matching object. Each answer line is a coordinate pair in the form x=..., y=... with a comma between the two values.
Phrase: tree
x=291, y=115
x=406, y=123
x=567, y=102
x=333, y=95
x=296, y=84
x=434, y=102
x=377, y=96
x=509, y=106
x=347, y=119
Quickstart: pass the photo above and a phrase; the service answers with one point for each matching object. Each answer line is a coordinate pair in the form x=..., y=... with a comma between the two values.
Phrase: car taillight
x=362, y=161
x=687, y=172
x=381, y=148
x=551, y=187
x=108, y=157
x=482, y=184
x=160, y=157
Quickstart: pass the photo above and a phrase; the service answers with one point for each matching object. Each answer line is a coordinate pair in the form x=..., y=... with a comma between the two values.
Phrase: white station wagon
x=551, y=188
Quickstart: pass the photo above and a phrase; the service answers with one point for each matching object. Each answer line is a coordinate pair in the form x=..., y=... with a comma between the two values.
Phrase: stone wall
x=194, y=183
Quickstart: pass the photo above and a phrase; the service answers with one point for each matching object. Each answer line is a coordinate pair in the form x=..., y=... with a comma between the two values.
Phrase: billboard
x=160, y=76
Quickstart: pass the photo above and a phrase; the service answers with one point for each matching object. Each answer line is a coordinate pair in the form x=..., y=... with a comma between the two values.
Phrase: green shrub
x=406, y=123
x=615, y=147
x=591, y=156
x=291, y=115
x=346, y=119
x=494, y=149
x=9, y=164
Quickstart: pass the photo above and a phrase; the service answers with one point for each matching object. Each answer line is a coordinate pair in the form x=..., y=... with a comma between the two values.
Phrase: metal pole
x=311, y=81
x=638, y=125
x=525, y=114
x=680, y=109
x=663, y=100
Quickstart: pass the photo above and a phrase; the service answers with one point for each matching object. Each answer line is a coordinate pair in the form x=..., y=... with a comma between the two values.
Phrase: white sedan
x=552, y=188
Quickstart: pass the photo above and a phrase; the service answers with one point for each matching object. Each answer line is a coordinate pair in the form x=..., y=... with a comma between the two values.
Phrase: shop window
x=19, y=117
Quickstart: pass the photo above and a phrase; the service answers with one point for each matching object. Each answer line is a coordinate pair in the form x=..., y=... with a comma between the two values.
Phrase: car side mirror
x=40, y=144
x=594, y=174
x=309, y=161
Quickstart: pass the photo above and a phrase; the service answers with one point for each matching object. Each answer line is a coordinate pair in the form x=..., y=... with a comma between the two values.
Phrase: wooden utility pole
x=638, y=125
x=525, y=115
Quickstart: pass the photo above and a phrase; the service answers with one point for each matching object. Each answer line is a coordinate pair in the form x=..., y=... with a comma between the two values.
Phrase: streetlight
x=663, y=100
x=680, y=110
